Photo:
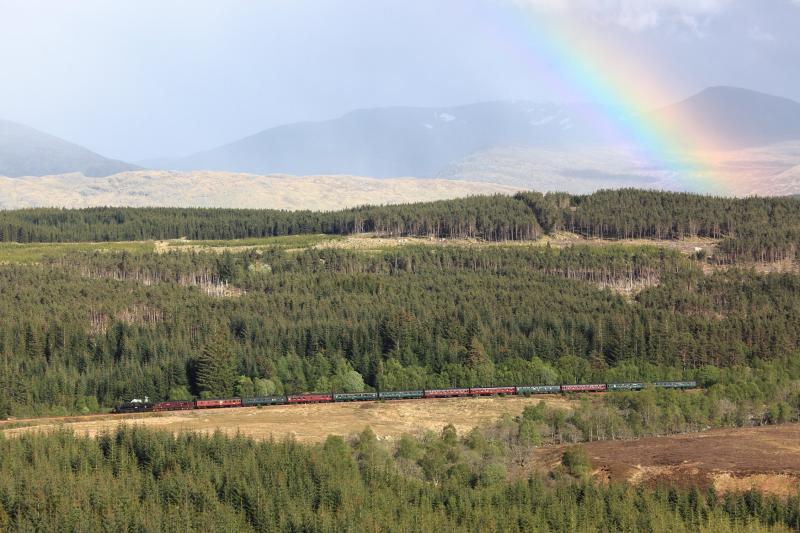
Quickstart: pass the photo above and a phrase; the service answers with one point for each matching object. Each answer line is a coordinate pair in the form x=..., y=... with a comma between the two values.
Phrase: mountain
x=754, y=150
x=578, y=171
x=25, y=151
x=398, y=141
x=771, y=170
x=423, y=142
x=736, y=118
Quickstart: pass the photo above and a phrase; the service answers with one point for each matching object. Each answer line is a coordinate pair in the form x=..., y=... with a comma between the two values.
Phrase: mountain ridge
x=422, y=141
x=394, y=141
x=736, y=117
x=546, y=146
x=26, y=151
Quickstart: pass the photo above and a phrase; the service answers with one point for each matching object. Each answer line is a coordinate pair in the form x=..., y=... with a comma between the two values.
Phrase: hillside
x=480, y=291
x=729, y=459
x=770, y=170
x=398, y=141
x=310, y=312
x=736, y=117
x=25, y=151
x=150, y=188
x=572, y=147
x=500, y=146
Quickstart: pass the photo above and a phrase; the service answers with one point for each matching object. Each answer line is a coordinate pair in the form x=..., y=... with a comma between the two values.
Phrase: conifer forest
x=483, y=291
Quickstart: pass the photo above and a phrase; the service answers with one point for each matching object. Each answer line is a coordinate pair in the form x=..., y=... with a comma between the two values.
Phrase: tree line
x=751, y=229
x=497, y=217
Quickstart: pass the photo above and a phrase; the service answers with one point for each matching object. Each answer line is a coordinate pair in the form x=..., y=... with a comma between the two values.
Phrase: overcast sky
x=134, y=79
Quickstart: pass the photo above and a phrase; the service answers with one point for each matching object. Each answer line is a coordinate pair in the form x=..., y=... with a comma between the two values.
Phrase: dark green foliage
x=576, y=461
x=105, y=327
x=216, y=368
x=490, y=217
x=752, y=229
x=140, y=480
x=85, y=329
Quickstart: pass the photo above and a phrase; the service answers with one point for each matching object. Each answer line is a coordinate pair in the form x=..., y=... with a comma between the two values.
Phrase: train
x=137, y=405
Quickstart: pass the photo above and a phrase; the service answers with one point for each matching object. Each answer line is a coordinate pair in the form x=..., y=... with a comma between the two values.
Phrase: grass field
x=286, y=242
x=310, y=423
x=11, y=252
x=35, y=252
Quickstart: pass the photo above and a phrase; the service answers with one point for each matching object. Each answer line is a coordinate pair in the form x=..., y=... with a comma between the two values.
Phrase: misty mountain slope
x=399, y=141
x=422, y=142
x=737, y=118
x=578, y=171
x=772, y=170
x=25, y=151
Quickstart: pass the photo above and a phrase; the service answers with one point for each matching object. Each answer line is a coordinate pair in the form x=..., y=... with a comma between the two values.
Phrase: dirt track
x=766, y=458
x=313, y=423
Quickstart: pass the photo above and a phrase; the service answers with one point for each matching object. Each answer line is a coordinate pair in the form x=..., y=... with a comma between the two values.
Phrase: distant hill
x=737, y=118
x=25, y=151
x=398, y=141
x=772, y=170
x=158, y=188
x=423, y=142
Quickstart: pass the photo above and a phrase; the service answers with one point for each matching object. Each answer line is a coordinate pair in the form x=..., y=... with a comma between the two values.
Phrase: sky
x=139, y=79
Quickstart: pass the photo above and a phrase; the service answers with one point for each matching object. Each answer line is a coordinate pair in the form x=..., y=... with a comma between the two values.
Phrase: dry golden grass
x=311, y=423
x=160, y=188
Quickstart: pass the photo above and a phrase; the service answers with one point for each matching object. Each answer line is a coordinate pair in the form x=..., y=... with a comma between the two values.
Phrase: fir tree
x=216, y=368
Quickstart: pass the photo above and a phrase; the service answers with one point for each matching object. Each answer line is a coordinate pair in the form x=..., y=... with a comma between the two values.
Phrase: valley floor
x=309, y=423
x=730, y=459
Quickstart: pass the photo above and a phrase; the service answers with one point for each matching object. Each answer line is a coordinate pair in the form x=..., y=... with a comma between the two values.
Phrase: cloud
x=637, y=15
x=757, y=34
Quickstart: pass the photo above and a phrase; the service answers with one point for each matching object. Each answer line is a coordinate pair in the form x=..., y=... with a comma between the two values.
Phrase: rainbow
x=582, y=65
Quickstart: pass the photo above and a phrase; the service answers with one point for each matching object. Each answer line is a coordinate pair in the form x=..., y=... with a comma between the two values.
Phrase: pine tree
x=216, y=368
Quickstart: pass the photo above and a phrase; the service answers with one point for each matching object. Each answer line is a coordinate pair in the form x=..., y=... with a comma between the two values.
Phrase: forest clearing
x=765, y=458
x=12, y=252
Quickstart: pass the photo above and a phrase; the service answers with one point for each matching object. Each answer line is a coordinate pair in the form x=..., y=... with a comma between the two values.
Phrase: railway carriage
x=625, y=386
x=217, y=403
x=354, y=396
x=492, y=391
x=675, y=384
x=174, y=405
x=401, y=395
x=312, y=397
x=539, y=389
x=264, y=400
x=445, y=393
x=145, y=405
x=587, y=387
